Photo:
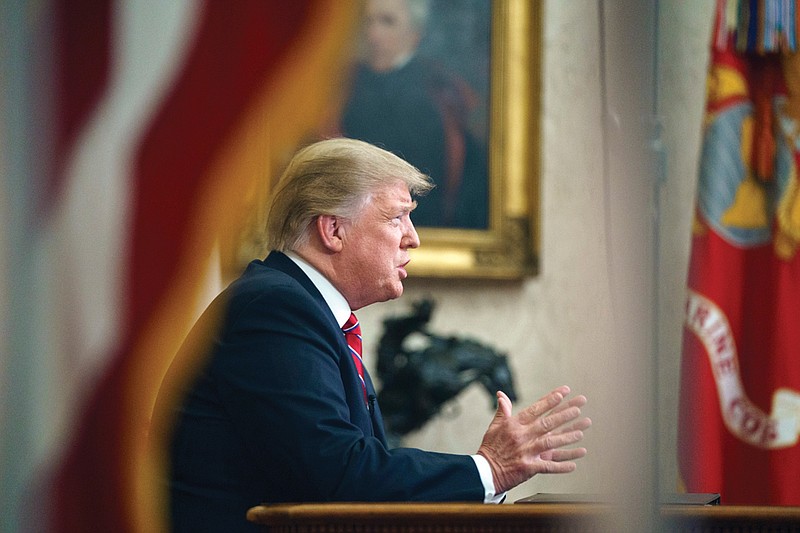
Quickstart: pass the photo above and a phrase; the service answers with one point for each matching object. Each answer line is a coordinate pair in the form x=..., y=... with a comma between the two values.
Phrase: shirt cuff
x=485, y=472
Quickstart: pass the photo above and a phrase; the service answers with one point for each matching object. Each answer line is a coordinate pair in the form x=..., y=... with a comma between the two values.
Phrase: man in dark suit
x=279, y=410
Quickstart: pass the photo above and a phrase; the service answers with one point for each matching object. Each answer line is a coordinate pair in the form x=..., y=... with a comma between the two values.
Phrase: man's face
x=390, y=33
x=375, y=248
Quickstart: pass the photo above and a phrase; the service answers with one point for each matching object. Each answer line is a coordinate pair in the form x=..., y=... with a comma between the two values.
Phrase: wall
x=563, y=326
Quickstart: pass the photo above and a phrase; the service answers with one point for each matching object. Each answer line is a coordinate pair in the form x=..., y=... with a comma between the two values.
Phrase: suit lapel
x=282, y=262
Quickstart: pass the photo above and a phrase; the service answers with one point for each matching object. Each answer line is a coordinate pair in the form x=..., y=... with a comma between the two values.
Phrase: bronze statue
x=421, y=371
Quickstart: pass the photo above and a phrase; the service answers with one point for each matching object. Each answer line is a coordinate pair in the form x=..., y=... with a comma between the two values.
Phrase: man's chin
x=381, y=65
x=396, y=292
x=390, y=294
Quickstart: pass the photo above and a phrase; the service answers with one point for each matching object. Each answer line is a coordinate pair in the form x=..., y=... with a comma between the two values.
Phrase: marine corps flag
x=740, y=391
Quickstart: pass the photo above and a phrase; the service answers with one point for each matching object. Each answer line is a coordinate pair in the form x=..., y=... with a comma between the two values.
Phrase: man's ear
x=329, y=230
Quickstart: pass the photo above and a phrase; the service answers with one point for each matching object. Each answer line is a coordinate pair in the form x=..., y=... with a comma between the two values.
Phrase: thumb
x=503, y=405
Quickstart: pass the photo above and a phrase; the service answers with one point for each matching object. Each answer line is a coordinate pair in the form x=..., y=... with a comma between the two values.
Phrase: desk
x=516, y=518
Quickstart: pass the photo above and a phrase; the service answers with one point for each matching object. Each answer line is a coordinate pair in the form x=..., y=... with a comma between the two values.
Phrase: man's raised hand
x=532, y=442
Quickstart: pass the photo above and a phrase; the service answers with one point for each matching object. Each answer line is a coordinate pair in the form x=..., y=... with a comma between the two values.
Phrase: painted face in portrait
x=390, y=33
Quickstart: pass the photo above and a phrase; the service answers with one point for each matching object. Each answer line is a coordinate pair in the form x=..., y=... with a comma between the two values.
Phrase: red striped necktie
x=352, y=334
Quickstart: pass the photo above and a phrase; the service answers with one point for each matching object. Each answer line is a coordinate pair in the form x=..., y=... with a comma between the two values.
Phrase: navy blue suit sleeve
x=283, y=378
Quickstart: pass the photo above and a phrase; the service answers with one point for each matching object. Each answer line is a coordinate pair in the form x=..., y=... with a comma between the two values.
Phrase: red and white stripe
x=164, y=123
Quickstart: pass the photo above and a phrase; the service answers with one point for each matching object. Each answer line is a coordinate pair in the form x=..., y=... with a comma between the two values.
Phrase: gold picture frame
x=509, y=248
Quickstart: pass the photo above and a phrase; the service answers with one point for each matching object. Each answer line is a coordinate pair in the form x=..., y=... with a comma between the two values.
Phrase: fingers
x=581, y=424
x=577, y=401
x=518, y=447
x=559, y=418
x=554, y=441
x=543, y=405
x=570, y=454
x=553, y=467
x=503, y=404
x=561, y=461
x=550, y=414
x=561, y=426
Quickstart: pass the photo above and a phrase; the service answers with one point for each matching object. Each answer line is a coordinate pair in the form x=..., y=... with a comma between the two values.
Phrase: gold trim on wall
x=508, y=249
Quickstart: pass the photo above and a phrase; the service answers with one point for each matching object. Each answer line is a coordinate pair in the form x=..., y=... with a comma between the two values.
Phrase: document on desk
x=667, y=499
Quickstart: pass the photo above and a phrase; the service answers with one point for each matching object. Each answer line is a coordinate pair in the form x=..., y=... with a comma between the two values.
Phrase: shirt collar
x=402, y=61
x=335, y=300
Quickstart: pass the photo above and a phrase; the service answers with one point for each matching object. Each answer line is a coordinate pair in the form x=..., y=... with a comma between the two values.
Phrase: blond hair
x=332, y=177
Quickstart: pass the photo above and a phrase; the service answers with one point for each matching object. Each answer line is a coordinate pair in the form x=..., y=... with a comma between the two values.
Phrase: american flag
x=136, y=137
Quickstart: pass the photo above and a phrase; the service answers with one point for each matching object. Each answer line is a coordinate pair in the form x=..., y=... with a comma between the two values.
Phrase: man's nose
x=411, y=237
x=374, y=33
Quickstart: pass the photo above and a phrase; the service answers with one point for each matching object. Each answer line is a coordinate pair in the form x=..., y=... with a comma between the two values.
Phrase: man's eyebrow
x=405, y=208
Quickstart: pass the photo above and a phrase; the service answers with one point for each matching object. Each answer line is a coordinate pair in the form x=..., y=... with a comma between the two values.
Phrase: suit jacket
x=277, y=414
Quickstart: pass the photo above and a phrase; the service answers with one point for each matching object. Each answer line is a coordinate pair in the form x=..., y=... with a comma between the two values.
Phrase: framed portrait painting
x=452, y=86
